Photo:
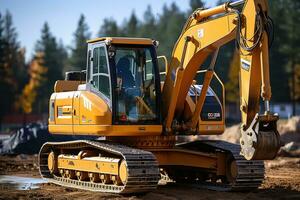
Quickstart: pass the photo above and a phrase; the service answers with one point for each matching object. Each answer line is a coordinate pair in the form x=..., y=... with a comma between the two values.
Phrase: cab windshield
x=136, y=90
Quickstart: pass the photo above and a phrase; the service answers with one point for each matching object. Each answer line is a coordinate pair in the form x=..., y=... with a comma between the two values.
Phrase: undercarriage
x=107, y=166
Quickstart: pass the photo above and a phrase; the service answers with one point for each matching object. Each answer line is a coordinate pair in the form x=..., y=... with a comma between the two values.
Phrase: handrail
x=166, y=63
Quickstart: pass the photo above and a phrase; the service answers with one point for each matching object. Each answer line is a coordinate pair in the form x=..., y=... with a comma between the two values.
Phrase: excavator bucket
x=261, y=141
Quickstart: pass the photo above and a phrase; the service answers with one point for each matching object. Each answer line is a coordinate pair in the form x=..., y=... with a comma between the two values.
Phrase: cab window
x=100, y=75
x=136, y=85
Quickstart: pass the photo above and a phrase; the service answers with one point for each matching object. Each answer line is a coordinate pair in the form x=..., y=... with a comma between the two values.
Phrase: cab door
x=98, y=78
x=100, y=73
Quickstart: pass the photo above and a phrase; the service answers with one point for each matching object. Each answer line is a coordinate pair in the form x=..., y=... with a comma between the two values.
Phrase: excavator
x=138, y=113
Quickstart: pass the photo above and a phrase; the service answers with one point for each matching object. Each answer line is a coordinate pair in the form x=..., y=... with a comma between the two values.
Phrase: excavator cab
x=126, y=76
x=121, y=88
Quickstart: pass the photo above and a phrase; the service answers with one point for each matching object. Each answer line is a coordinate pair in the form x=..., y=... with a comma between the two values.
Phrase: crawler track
x=250, y=174
x=142, y=167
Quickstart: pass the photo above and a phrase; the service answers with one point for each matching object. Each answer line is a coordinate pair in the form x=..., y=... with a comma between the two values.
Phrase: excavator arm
x=204, y=33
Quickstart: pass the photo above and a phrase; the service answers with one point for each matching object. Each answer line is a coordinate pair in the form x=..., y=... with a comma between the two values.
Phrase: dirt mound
x=290, y=136
x=291, y=125
x=231, y=134
x=289, y=131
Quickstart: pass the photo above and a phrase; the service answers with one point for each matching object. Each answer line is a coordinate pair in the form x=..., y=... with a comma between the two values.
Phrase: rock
x=291, y=149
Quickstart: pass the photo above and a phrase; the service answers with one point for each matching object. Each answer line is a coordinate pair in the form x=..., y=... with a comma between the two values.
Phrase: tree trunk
x=293, y=89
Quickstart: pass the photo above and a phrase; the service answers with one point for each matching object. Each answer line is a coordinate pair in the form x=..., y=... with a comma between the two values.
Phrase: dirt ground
x=282, y=182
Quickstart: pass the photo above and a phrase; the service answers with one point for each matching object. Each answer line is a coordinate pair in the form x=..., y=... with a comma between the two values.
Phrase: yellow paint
x=89, y=164
x=181, y=157
x=85, y=113
x=123, y=40
x=107, y=130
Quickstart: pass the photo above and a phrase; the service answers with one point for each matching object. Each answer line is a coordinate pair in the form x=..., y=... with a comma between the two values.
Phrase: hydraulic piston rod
x=226, y=7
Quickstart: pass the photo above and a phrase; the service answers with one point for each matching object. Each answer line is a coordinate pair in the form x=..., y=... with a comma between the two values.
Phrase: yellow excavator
x=139, y=113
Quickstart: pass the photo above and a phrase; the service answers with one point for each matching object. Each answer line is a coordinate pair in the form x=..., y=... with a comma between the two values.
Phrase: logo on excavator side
x=200, y=33
x=213, y=115
x=245, y=64
x=87, y=103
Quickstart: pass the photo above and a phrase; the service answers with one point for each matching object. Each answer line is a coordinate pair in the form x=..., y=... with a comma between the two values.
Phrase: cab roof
x=123, y=40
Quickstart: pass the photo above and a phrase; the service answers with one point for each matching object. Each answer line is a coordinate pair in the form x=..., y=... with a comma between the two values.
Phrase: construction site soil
x=282, y=181
x=282, y=177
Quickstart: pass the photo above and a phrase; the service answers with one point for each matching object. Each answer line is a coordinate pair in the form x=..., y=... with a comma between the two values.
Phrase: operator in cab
x=127, y=88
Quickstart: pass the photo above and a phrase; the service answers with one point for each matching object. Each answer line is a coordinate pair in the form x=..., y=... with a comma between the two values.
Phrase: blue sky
x=62, y=15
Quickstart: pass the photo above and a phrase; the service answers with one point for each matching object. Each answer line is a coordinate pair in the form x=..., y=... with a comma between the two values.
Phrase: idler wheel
x=123, y=174
x=52, y=163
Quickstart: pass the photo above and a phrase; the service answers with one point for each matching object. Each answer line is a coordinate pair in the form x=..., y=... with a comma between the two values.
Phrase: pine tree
x=14, y=55
x=51, y=61
x=278, y=55
x=1, y=41
x=297, y=83
x=195, y=4
x=109, y=28
x=12, y=65
x=148, y=27
x=226, y=54
x=79, y=51
x=132, y=26
x=291, y=46
x=5, y=72
x=169, y=28
x=232, y=86
x=62, y=55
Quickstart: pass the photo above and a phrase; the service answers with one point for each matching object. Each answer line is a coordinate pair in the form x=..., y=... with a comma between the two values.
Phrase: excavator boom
x=202, y=36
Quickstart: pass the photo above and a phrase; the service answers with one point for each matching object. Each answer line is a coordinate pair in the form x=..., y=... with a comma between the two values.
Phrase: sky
x=62, y=15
